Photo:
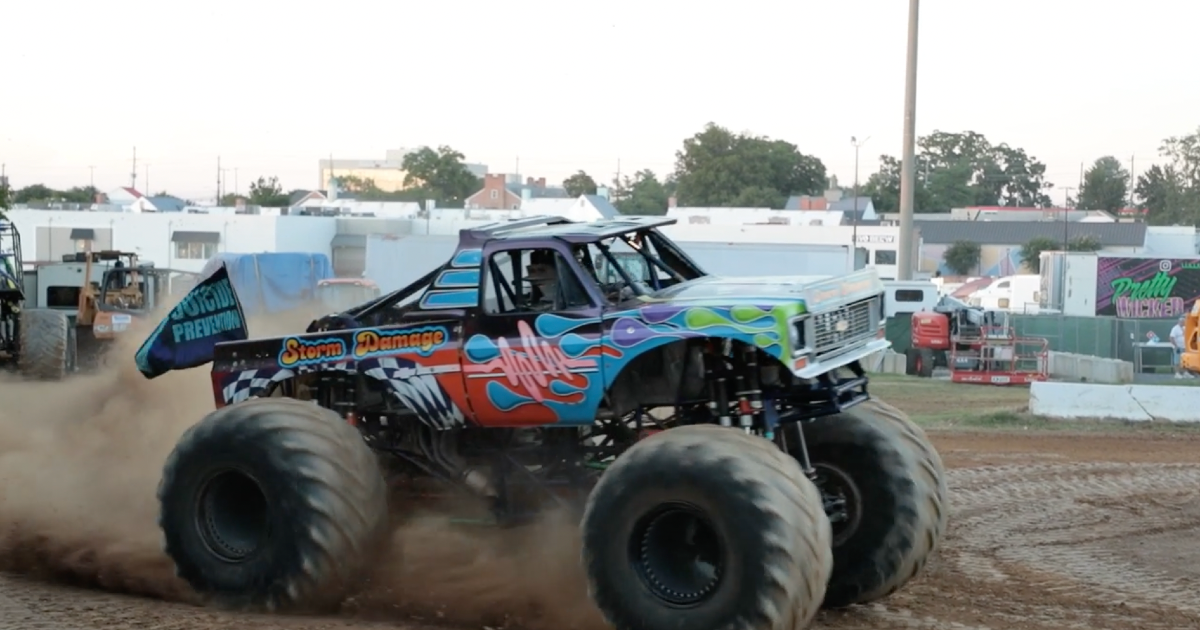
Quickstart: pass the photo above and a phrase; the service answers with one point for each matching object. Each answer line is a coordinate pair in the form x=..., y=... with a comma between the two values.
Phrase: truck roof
x=557, y=227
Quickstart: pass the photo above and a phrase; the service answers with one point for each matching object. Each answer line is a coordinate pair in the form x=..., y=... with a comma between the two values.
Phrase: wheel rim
x=678, y=554
x=232, y=515
x=920, y=364
x=841, y=498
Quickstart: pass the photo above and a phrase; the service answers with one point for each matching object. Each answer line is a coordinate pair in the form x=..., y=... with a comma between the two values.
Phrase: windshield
x=638, y=263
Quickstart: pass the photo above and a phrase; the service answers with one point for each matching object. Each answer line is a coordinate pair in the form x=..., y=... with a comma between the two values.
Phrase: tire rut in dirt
x=895, y=512
x=753, y=497
x=323, y=500
x=1055, y=527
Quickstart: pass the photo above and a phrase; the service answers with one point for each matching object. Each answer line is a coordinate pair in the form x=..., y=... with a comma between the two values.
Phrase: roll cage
x=629, y=251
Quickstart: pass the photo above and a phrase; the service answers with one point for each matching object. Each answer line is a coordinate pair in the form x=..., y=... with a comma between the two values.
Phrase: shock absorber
x=749, y=389
x=715, y=377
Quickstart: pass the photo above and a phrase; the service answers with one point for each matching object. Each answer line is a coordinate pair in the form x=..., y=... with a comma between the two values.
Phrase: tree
x=1085, y=243
x=1105, y=186
x=962, y=257
x=440, y=175
x=955, y=170
x=267, y=192
x=1170, y=193
x=5, y=196
x=1031, y=252
x=642, y=194
x=716, y=167
x=580, y=184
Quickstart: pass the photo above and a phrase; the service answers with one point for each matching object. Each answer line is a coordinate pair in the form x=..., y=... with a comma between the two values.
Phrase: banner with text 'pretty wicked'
x=209, y=314
x=1146, y=288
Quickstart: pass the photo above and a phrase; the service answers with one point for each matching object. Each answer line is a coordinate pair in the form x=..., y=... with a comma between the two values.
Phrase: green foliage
x=40, y=192
x=956, y=170
x=963, y=257
x=5, y=195
x=1105, y=186
x=1084, y=243
x=1170, y=193
x=1031, y=252
x=267, y=192
x=440, y=175
x=643, y=194
x=579, y=184
x=718, y=168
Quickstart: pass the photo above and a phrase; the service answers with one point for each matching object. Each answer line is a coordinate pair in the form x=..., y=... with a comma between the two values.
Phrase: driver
x=542, y=274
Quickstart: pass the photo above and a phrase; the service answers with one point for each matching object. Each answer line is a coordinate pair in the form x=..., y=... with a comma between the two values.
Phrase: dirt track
x=1049, y=531
x=1052, y=530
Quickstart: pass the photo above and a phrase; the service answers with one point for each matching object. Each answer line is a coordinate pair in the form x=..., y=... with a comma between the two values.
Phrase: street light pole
x=854, y=238
x=908, y=161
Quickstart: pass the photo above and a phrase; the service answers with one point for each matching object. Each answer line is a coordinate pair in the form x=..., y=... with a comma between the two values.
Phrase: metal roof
x=557, y=227
x=1021, y=232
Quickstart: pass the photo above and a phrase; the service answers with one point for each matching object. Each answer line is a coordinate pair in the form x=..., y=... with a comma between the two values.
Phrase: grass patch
x=937, y=404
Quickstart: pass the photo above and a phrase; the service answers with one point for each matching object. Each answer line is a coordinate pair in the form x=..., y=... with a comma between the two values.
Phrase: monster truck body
x=548, y=361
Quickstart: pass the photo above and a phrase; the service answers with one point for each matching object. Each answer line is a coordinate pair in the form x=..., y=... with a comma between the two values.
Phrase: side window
x=531, y=281
x=885, y=257
x=910, y=295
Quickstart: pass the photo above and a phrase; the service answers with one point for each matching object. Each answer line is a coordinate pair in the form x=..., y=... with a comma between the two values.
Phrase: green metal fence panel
x=899, y=331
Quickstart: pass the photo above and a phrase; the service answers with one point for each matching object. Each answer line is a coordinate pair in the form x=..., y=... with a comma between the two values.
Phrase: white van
x=1015, y=294
x=905, y=297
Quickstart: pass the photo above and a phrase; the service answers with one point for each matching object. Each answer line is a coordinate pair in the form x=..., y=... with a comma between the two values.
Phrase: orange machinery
x=977, y=346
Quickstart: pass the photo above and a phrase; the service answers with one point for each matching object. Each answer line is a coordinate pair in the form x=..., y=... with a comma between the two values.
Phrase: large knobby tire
x=272, y=504
x=924, y=363
x=885, y=492
x=46, y=350
x=706, y=528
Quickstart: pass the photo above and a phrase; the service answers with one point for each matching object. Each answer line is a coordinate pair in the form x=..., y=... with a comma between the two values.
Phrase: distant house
x=124, y=196
x=503, y=192
x=164, y=203
x=860, y=208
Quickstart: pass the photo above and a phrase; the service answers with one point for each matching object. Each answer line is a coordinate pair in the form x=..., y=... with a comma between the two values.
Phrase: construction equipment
x=976, y=345
x=38, y=341
x=100, y=293
x=1190, y=358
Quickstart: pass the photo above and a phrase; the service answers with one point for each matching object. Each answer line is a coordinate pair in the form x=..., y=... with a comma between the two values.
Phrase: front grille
x=851, y=323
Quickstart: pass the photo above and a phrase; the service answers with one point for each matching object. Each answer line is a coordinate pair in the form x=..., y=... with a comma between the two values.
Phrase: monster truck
x=715, y=433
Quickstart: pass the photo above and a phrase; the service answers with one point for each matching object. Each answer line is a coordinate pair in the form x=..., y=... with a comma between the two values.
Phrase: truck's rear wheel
x=46, y=344
x=272, y=504
x=704, y=527
x=885, y=493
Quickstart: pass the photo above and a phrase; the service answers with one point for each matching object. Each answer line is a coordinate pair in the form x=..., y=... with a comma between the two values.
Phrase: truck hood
x=811, y=291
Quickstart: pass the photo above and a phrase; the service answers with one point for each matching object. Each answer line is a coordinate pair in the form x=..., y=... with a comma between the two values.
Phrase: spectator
x=1177, y=355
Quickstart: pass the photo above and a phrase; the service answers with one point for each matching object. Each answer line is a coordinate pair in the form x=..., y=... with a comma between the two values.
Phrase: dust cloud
x=80, y=463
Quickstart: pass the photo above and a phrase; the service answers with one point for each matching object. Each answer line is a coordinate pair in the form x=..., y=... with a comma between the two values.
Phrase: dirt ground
x=1098, y=528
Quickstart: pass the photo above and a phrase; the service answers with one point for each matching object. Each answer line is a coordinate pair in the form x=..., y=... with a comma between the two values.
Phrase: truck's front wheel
x=706, y=528
x=272, y=504
x=884, y=491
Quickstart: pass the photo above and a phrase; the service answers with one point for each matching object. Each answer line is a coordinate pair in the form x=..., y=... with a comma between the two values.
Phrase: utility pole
x=147, y=167
x=218, y=181
x=133, y=171
x=92, y=177
x=854, y=238
x=235, y=181
x=908, y=161
x=1066, y=212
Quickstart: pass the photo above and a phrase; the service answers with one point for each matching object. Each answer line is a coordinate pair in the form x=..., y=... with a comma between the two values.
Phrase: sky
x=272, y=87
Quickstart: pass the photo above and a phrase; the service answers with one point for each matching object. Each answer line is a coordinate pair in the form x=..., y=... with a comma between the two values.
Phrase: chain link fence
x=1106, y=337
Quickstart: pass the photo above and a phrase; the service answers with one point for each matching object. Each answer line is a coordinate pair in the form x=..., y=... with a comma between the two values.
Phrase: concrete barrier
x=886, y=362
x=1131, y=403
x=1082, y=367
